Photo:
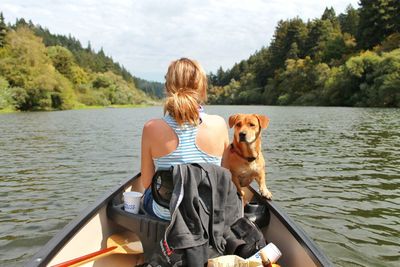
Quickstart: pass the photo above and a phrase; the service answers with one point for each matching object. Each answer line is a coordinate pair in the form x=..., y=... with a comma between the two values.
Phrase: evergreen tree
x=322, y=32
x=287, y=33
x=220, y=76
x=89, y=47
x=3, y=30
x=349, y=21
x=378, y=19
x=20, y=23
x=330, y=14
x=261, y=67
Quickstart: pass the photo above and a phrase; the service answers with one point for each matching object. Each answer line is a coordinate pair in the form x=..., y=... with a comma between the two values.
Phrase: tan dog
x=244, y=157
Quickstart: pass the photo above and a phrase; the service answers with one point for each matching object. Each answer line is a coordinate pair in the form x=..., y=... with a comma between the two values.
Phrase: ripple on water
x=335, y=171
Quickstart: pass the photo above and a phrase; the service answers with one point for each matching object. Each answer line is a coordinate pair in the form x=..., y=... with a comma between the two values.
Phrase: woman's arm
x=224, y=162
x=147, y=164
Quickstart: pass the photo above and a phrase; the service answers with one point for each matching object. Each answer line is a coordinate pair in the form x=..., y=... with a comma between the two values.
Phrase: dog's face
x=247, y=127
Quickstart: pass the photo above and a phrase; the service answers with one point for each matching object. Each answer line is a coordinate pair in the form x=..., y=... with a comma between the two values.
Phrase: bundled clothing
x=203, y=206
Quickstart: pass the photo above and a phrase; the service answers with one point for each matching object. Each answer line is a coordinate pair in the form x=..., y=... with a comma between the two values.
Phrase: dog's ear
x=264, y=120
x=232, y=120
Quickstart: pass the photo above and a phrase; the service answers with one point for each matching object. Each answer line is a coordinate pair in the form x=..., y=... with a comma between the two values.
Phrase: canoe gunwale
x=55, y=244
x=298, y=233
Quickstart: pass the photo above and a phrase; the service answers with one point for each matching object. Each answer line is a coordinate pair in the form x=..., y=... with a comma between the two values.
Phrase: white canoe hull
x=89, y=231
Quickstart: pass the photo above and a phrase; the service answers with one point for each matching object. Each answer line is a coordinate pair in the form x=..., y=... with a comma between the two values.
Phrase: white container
x=132, y=201
x=270, y=251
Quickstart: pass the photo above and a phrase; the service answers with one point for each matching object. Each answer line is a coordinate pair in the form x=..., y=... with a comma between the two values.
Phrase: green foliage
x=301, y=82
x=41, y=71
x=323, y=41
x=3, y=30
x=289, y=39
x=380, y=79
x=111, y=89
x=321, y=62
x=62, y=59
x=35, y=83
x=154, y=89
x=367, y=80
x=378, y=19
x=391, y=42
x=387, y=81
x=6, y=100
x=349, y=21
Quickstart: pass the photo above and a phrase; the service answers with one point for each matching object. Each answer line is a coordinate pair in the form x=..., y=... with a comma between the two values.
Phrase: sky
x=146, y=35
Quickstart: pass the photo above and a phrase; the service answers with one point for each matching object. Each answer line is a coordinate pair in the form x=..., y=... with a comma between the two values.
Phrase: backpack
x=247, y=239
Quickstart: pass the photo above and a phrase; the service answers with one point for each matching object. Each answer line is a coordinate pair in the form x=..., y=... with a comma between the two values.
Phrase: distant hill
x=152, y=88
x=350, y=59
x=44, y=71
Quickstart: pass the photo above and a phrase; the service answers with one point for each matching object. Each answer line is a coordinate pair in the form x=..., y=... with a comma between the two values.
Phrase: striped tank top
x=187, y=151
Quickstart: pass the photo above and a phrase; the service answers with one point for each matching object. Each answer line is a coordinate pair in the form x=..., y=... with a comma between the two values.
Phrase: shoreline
x=80, y=107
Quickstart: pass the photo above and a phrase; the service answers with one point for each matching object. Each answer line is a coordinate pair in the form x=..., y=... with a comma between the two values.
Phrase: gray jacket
x=204, y=205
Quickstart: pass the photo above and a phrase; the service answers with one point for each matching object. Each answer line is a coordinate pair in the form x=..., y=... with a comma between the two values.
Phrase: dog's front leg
x=235, y=180
x=263, y=187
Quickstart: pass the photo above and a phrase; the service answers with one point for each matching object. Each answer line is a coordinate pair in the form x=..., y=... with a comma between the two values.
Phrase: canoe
x=90, y=232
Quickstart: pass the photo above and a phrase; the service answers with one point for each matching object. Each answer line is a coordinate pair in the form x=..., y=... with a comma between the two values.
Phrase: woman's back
x=211, y=139
x=186, y=150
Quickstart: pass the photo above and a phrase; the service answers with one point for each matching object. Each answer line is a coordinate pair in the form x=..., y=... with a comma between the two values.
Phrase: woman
x=186, y=134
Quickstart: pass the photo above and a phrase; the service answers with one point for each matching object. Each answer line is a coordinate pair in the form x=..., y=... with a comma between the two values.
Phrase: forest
x=350, y=59
x=44, y=71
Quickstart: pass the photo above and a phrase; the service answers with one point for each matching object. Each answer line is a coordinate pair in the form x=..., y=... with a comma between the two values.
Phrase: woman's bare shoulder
x=153, y=125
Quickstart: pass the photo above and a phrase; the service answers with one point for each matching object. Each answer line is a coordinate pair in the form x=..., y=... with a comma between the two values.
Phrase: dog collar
x=234, y=150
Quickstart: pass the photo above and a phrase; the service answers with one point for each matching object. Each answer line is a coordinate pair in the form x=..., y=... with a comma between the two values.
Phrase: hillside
x=350, y=59
x=43, y=71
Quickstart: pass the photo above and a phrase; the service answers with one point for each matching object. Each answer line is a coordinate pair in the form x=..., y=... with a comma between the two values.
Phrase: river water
x=335, y=171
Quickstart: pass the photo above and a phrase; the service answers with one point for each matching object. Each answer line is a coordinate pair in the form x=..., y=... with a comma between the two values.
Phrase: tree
x=321, y=32
x=349, y=21
x=62, y=59
x=378, y=19
x=301, y=82
x=387, y=81
x=330, y=14
x=43, y=71
x=3, y=30
x=221, y=76
x=287, y=33
x=261, y=67
x=34, y=83
x=337, y=47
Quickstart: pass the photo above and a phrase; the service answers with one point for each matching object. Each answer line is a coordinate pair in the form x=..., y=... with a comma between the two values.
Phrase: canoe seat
x=149, y=229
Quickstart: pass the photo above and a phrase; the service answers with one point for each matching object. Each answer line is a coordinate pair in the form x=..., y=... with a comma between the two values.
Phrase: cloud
x=145, y=36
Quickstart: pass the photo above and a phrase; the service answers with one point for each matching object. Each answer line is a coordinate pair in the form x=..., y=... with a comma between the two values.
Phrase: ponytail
x=183, y=106
x=186, y=86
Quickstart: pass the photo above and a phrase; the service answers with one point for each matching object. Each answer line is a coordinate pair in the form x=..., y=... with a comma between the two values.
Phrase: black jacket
x=204, y=205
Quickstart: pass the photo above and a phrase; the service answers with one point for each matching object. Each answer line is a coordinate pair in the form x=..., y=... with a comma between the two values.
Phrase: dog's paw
x=266, y=193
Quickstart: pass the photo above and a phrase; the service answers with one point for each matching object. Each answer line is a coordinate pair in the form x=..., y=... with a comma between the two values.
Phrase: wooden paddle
x=116, y=244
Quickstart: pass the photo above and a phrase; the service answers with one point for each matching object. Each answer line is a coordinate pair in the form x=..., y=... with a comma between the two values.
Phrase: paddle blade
x=127, y=242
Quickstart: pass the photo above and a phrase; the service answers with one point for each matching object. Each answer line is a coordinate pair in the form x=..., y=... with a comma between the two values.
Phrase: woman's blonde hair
x=186, y=87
